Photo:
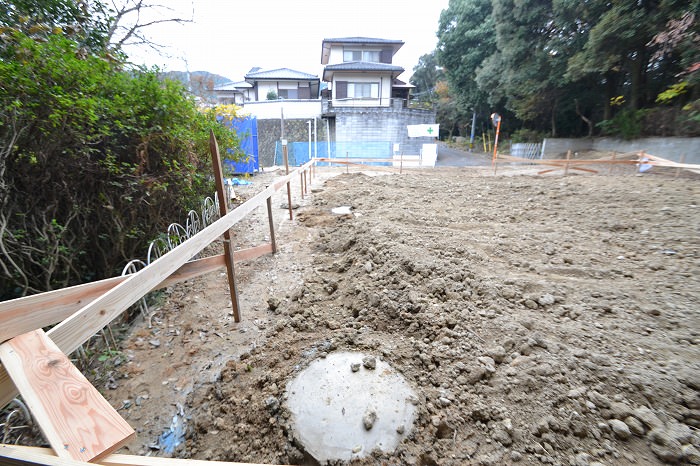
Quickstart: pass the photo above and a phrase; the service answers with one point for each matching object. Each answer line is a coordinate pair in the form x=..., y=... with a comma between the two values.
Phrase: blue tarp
x=298, y=152
x=247, y=131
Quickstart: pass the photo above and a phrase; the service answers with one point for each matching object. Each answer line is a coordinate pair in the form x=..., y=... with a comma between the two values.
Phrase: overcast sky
x=229, y=37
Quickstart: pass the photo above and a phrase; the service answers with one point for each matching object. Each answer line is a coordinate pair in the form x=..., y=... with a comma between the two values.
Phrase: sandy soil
x=540, y=319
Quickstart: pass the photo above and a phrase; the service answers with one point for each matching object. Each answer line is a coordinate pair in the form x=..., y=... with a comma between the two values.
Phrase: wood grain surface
x=75, y=418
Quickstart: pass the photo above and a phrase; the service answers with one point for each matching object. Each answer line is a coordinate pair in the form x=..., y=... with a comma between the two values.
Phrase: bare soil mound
x=539, y=319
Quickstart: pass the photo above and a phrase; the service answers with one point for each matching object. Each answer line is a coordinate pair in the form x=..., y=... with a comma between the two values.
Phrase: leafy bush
x=94, y=162
x=527, y=135
x=626, y=125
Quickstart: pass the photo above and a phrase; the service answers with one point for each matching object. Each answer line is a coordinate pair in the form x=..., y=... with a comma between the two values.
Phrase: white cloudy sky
x=229, y=37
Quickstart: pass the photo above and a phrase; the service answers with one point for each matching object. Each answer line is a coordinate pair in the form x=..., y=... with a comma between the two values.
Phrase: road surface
x=451, y=157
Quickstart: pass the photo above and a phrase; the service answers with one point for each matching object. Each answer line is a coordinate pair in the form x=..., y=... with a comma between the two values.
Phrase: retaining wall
x=382, y=124
x=668, y=148
x=270, y=132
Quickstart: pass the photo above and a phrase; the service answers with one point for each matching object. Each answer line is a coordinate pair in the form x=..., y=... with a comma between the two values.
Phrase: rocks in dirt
x=691, y=454
x=272, y=404
x=273, y=303
x=620, y=429
x=635, y=426
x=530, y=304
x=369, y=362
x=647, y=417
x=487, y=363
x=355, y=366
x=154, y=342
x=501, y=434
x=369, y=418
x=545, y=300
x=600, y=401
x=497, y=353
x=285, y=205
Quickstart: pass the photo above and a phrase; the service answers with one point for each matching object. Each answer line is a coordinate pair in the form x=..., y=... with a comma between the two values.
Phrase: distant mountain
x=200, y=83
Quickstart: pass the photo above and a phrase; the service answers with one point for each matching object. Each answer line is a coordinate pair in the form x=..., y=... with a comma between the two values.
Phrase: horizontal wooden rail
x=651, y=160
x=88, y=320
x=45, y=456
x=355, y=160
x=23, y=315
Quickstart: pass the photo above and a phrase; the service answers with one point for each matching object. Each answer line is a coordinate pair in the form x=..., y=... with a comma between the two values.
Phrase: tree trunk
x=554, y=118
x=637, y=80
x=610, y=87
x=588, y=121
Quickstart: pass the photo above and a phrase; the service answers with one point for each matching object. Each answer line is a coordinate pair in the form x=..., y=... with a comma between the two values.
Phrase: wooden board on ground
x=77, y=421
x=36, y=455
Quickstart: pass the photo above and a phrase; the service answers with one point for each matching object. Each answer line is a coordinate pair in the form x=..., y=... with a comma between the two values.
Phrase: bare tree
x=129, y=20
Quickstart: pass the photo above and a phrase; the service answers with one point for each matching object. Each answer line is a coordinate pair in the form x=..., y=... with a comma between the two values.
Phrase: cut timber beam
x=77, y=421
x=46, y=454
x=23, y=315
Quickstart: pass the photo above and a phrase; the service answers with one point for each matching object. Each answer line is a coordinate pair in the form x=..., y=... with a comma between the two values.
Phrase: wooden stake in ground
x=496, y=119
x=566, y=166
x=77, y=421
x=223, y=210
x=678, y=170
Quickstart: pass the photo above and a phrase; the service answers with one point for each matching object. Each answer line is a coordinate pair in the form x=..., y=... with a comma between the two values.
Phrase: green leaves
x=94, y=162
x=557, y=63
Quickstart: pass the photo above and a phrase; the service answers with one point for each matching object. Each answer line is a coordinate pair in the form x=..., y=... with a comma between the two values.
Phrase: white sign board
x=421, y=131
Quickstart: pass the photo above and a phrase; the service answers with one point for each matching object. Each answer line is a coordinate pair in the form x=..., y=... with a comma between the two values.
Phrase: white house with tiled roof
x=284, y=82
x=234, y=93
x=363, y=112
x=360, y=71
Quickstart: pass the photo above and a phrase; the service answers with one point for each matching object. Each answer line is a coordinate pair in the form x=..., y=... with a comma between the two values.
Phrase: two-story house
x=363, y=113
x=367, y=107
x=361, y=73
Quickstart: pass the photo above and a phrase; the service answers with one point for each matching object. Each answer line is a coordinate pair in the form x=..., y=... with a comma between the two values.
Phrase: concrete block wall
x=388, y=124
x=670, y=148
x=295, y=130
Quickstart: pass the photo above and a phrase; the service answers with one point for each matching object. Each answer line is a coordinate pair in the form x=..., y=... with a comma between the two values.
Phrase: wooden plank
x=38, y=455
x=75, y=418
x=80, y=326
x=47, y=456
x=13, y=455
x=23, y=315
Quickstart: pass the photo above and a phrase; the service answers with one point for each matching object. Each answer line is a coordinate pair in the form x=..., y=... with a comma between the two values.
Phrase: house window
x=288, y=94
x=361, y=55
x=363, y=90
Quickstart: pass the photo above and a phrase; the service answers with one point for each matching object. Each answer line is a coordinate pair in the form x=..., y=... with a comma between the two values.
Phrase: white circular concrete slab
x=340, y=411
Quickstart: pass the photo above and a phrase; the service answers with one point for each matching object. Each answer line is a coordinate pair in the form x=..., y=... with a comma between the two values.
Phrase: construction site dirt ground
x=539, y=319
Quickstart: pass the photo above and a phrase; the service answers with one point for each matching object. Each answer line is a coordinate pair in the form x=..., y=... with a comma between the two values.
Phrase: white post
x=309, y=123
x=328, y=138
x=315, y=138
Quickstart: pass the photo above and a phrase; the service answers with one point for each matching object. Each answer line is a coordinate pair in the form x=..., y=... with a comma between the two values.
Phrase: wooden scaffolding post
x=271, y=220
x=223, y=210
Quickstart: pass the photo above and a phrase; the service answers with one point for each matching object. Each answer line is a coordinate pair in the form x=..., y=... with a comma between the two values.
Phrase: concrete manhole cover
x=348, y=404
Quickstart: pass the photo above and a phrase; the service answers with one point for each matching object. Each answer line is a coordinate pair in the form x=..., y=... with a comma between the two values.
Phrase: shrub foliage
x=94, y=162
